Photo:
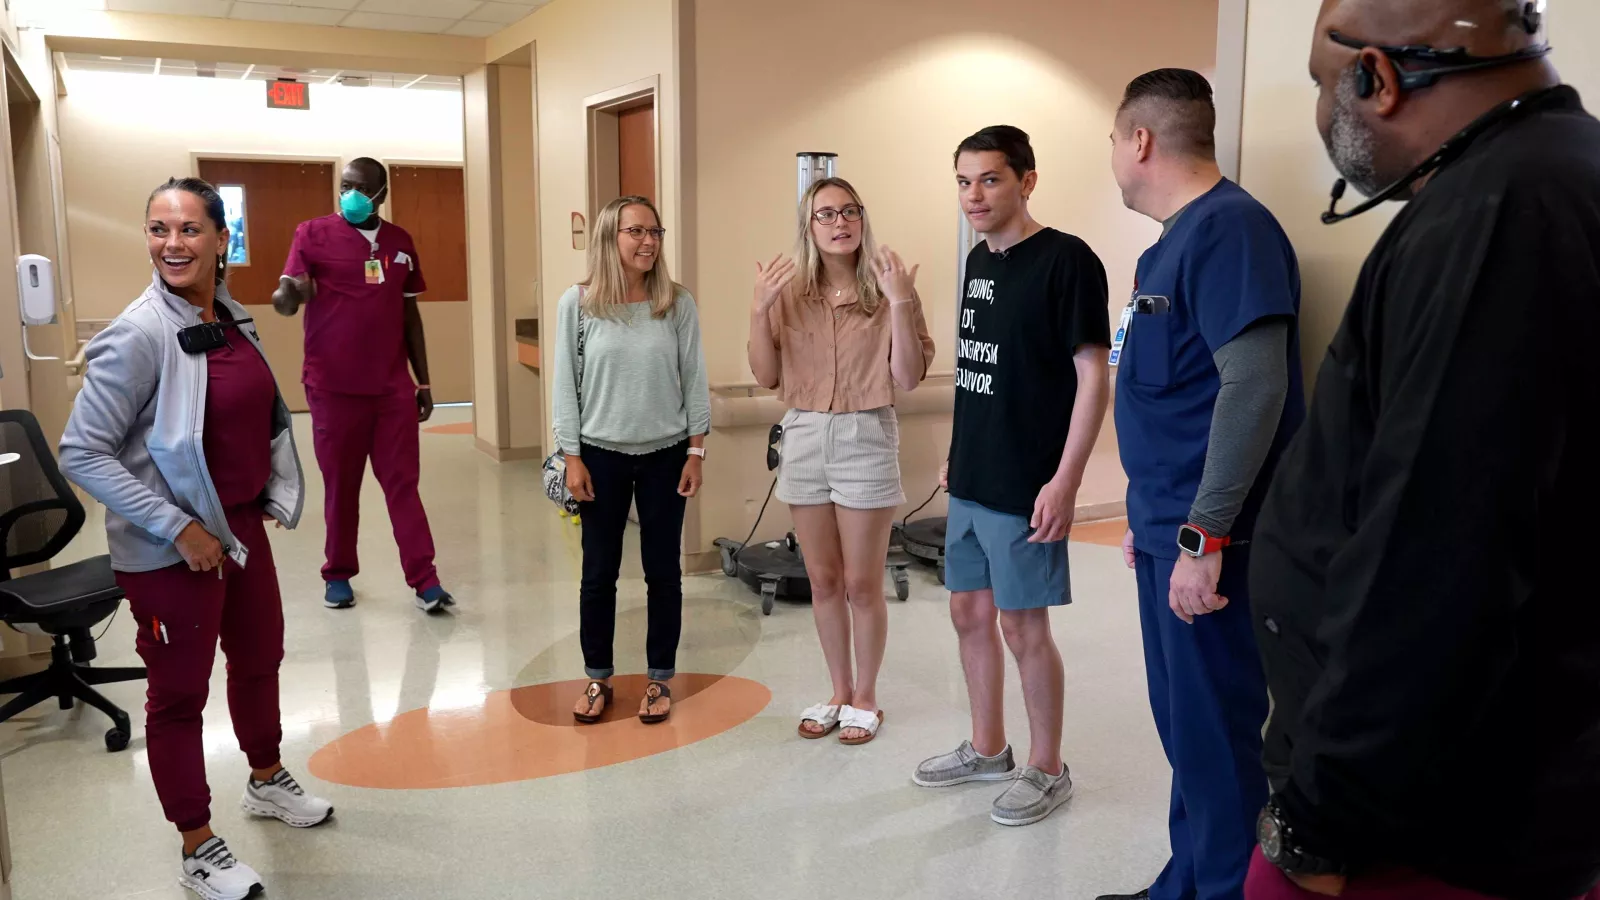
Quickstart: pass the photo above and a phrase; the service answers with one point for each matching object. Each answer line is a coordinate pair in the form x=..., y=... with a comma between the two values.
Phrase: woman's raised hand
x=771, y=279
x=896, y=282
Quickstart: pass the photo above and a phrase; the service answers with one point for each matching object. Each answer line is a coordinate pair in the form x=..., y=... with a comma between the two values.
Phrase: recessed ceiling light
x=112, y=58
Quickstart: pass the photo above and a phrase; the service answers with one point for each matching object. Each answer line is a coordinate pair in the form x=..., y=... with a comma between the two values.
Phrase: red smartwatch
x=1197, y=542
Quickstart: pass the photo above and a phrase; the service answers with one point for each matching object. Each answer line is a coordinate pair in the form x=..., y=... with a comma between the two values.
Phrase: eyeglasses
x=638, y=232
x=851, y=213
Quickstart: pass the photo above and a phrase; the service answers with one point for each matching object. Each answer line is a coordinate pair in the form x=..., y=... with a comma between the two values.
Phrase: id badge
x=374, y=271
x=240, y=555
x=1122, y=334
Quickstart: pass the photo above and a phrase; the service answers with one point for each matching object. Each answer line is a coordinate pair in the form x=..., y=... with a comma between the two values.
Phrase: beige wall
x=893, y=98
x=504, y=265
x=526, y=129
x=115, y=150
x=583, y=48
x=30, y=127
x=1285, y=165
x=480, y=100
x=519, y=231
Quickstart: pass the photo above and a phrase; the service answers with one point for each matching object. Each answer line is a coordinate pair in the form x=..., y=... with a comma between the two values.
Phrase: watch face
x=1270, y=834
x=1191, y=541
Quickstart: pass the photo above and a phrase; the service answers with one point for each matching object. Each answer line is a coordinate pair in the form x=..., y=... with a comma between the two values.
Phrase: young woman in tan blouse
x=836, y=332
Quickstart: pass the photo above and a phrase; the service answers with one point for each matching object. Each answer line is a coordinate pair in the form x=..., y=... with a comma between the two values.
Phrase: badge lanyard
x=374, y=267
x=1122, y=330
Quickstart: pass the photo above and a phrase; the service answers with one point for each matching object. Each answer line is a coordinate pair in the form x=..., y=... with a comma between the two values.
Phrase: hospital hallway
x=448, y=748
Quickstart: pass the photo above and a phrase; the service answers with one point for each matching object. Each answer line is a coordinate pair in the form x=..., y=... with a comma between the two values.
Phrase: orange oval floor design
x=528, y=733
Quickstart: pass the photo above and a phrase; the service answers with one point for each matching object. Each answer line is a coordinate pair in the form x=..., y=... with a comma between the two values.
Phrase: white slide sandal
x=862, y=719
x=826, y=717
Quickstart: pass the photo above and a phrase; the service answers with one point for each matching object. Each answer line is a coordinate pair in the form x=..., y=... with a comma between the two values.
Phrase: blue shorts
x=987, y=549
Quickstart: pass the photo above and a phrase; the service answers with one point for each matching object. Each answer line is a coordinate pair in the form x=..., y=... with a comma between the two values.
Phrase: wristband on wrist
x=424, y=387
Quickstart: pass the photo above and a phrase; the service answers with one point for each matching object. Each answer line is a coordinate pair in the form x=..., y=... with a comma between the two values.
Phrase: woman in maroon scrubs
x=181, y=433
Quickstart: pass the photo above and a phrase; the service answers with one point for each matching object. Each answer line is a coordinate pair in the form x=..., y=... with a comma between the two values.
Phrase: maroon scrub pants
x=348, y=430
x=1266, y=882
x=180, y=616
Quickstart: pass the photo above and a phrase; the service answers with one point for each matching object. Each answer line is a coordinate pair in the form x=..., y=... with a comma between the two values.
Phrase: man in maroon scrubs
x=358, y=277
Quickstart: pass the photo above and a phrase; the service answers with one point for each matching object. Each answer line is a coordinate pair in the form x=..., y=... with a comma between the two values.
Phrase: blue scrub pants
x=1209, y=697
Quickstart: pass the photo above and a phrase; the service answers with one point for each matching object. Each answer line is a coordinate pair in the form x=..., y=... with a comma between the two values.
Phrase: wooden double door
x=427, y=201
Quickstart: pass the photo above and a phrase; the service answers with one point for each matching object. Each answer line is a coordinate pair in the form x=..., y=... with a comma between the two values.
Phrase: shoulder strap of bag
x=578, y=379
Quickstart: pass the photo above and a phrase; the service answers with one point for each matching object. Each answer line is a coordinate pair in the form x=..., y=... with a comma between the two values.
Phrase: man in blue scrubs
x=1208, y=393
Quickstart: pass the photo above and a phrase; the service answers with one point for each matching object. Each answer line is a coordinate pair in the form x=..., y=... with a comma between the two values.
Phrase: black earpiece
x=1532, y=18
x=1366, y=81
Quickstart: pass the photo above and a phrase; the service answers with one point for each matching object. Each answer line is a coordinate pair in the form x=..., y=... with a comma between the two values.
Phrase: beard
x=1351, y=143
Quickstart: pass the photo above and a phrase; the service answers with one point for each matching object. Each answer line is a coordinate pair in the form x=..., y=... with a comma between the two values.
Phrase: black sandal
x=595, y=691
x=656, y=691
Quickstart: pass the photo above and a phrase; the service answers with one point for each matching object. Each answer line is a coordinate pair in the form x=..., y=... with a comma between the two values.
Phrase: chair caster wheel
x=116, y=740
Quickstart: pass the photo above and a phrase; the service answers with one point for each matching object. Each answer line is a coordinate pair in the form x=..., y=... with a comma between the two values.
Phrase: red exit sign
x=288, y=95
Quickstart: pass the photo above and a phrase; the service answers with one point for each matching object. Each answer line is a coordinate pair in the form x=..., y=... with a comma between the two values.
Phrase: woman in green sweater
x=631, y=415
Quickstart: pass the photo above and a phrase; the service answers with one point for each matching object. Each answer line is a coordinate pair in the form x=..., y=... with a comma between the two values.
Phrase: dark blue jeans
x=649, y=481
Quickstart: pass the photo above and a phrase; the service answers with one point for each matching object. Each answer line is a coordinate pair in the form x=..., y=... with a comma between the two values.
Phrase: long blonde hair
x=809, y=256
x=607, y=283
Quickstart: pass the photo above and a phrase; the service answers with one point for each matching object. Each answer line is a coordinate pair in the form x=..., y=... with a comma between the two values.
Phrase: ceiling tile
x=312, y=4
x=172, y=7
x=474, y=29
x=304, y=15
x=504, y=13
x=441, y=9
x=384, y=22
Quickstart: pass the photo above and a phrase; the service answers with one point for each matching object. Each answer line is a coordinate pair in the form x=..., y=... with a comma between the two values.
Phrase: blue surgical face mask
x=355, y=206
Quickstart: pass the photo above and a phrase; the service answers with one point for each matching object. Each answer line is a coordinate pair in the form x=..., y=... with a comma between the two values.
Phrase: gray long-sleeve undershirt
x=1254, y=368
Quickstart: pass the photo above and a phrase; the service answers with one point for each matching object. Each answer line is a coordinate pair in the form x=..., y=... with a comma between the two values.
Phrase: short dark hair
x=1006, y=139
x=1177, y=105
x=367, y=162
x=210, y=198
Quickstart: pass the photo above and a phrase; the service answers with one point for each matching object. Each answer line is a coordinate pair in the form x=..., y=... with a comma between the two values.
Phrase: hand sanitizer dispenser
x=36, y=287
x=36, y=291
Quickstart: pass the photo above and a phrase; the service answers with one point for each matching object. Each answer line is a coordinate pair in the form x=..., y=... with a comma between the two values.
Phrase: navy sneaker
x=435, y=598
x=339, y=595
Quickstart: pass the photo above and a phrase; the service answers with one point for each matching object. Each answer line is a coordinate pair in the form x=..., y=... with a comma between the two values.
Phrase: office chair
x=39, y=516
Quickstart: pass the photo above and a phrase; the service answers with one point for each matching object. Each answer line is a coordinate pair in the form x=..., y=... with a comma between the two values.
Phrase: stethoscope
x=1455, y=61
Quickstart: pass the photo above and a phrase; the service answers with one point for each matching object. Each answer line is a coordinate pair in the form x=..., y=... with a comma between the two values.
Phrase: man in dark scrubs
x=358, y=277
x=1425, y=604
x=1208, y=394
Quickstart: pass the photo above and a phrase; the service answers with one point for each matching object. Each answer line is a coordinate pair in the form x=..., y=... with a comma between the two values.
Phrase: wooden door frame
x=610, y=103
x=199, y=156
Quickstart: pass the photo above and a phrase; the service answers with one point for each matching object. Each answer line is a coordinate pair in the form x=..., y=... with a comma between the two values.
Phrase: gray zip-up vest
x=135, y=441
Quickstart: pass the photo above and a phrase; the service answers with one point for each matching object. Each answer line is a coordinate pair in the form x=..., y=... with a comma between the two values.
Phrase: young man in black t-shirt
x=1031, y=393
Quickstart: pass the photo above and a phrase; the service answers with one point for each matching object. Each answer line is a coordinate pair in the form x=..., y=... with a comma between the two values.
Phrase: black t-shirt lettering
x=1024, y=313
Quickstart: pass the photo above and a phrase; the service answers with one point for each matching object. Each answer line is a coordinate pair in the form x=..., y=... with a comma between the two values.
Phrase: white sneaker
x=214, y=874
x=283, y=799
